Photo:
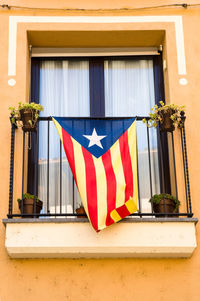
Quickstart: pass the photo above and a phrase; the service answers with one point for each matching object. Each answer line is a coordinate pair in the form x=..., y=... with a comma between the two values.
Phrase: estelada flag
x=103, y=159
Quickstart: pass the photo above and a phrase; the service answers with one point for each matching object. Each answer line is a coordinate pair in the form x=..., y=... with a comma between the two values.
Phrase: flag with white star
x=103, y=159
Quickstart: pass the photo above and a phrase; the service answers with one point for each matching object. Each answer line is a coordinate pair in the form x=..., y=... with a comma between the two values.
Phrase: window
x=100, y=86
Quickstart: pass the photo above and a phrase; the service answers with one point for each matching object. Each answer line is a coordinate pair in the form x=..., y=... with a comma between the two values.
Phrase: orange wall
x=105, y=279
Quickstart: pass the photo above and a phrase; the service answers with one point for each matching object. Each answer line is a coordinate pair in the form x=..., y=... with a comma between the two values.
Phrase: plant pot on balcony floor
x=81, y=210
x=165, y=206
x=26, y=206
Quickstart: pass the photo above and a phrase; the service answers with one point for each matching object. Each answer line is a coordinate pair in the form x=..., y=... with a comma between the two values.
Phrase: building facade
x=99, y=58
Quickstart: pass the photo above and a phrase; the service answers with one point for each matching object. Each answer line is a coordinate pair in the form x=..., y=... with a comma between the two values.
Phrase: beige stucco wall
x=101, y=279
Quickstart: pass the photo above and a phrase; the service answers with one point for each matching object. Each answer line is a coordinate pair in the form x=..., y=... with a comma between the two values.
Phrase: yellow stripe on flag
x=115, y=216
x=101, y=183
x=59, y=129
x=119, y=173
x=80, y=173
x=133, y=152
x=131, y=206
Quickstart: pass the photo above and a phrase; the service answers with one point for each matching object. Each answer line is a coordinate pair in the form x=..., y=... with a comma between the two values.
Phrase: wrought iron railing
x=164, y=152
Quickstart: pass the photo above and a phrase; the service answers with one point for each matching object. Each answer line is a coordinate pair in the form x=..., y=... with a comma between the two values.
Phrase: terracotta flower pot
x=81, y=210
x=167, y=123
x=28, y=115
x=165, y=206
x=27, y=207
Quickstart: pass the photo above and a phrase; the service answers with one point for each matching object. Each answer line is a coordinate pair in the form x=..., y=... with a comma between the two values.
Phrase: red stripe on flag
x=111, y=185
x=91, y=188
x=69, y=150
x=123, y=211
x=127, y=166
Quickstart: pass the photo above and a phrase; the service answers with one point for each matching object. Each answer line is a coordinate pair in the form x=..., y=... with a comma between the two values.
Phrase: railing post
x=12, y=151
x=60, y=176
x=48, y=139
x=186, y=163
x=138, y=180
x=174, y=163
x=23, y=156
x=149, y=157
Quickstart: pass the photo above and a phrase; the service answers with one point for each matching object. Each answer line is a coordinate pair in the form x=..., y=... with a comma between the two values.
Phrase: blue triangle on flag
x=95, y=135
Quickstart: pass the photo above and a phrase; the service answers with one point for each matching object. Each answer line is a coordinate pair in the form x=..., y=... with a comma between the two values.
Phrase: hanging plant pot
x=26, y=206
x=167, y=116
x=26, y=115
x=166, y=125
x=81, y=210
x=165, y=206
x=29, y=120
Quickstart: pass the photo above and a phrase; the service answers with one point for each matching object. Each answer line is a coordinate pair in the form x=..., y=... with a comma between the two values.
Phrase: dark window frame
x=97, y=108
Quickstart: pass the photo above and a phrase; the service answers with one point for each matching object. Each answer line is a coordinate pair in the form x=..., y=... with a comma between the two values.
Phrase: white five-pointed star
x=94, y=139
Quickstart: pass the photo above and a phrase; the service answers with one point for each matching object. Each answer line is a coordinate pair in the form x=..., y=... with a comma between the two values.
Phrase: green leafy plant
x=29, y=196
x=158, y=113
x=16, y=112
x=156, y=198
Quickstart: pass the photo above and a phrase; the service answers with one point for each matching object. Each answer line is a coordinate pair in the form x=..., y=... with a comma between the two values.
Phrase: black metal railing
x=163, y=154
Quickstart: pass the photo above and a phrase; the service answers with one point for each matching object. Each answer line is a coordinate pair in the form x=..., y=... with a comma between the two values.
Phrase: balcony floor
x=75, y=238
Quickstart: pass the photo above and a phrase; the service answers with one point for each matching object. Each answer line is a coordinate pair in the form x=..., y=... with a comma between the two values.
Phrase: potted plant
x=164, y=203
x=80, y=210
x=30, y=204
x=166, y=115
x=26, y=115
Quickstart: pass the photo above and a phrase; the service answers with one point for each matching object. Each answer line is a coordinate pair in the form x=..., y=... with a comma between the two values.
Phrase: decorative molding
x=14, y=20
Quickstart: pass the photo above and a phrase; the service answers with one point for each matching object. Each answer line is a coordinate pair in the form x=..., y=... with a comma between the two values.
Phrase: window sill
x=75, y=238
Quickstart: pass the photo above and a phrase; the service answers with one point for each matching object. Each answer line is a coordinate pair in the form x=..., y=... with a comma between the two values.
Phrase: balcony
x=162, y=167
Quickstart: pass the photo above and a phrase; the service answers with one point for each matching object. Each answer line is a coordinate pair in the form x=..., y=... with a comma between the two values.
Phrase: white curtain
x=129, y=91
x=64, y=91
